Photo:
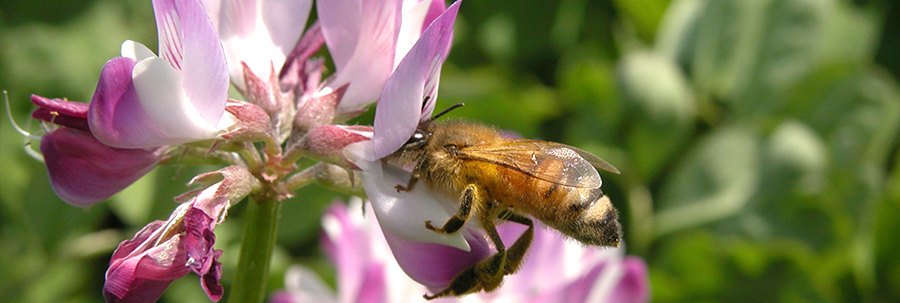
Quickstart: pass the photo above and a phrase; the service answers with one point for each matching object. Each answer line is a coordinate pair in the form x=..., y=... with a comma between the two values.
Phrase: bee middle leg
x=467, y=201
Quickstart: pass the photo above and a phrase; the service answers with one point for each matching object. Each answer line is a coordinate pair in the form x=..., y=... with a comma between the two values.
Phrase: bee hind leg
x=486, y=275
x=516, y=253
x=467, y=201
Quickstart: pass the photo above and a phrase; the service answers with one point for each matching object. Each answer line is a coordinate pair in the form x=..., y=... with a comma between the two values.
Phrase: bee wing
x=548, y=161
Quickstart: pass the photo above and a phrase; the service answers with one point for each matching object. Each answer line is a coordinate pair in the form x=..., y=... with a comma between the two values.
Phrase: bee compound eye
x=418, y=138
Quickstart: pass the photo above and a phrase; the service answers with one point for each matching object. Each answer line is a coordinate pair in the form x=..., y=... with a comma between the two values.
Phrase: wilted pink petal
x=415, y=81
x=61, y=112
x=142, y=268
x=317, y=110
x=84, y=171
x=202, y=258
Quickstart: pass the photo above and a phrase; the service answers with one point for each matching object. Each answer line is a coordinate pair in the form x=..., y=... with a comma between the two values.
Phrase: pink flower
x=82, y=170
x=367, y=39
x=399, y=112
x=558, y=270
x=142, y=268
x=143, y=100
x=402, y=214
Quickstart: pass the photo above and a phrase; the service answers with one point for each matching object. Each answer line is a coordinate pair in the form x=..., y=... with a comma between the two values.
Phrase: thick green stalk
x=256, y=251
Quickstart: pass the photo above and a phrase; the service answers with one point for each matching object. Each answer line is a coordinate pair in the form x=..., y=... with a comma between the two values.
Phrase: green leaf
x=661, y=109
x=714, y=182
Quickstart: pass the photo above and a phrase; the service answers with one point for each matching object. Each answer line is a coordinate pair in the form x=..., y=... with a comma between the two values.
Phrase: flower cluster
x=172, y=107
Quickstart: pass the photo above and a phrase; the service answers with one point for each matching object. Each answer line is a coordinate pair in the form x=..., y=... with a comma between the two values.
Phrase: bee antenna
x=452, y=107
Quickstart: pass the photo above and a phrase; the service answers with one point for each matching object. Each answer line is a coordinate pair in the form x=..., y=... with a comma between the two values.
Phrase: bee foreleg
x=417, y=173
x=467, y=200
x=409, y=184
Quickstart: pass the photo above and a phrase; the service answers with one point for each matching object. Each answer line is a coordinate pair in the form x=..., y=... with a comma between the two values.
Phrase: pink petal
x=84, y=171
x=340, y=20
x=436, y=9
x=169, y=29
x=116, y=116
x=348, y=245
x=371, y=49
x=634, y=285
x=375, y=290
x=205, y=71
x=412, y=26
x=261, y=33
x=400, y=109
x=435, y=265
x=140, y=269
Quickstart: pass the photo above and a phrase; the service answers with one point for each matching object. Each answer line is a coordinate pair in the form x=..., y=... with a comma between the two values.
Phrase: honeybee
x=496, y=178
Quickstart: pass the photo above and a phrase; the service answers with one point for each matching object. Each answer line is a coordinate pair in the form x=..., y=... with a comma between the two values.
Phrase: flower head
x=144, y=100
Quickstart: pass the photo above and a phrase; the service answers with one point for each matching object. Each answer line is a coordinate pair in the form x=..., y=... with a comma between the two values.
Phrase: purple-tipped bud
x=327, y=142
x=252, y=123
x=317, y=110
x=61, y=112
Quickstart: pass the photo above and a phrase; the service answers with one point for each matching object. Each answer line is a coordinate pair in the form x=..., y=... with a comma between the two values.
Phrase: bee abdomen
x=595, y=220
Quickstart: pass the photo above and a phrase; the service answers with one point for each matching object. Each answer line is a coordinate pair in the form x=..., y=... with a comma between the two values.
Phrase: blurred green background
x=758, y=140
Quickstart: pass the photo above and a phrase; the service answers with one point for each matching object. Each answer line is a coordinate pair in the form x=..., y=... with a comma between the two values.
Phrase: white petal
x=414, y=12
x=160, y=90
x=404, y=213
x=136, y=51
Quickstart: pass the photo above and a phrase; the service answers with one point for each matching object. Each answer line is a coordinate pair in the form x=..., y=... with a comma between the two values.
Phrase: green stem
x=256, y=251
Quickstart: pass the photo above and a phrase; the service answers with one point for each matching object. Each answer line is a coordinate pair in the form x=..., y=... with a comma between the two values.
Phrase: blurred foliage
x=758, y=140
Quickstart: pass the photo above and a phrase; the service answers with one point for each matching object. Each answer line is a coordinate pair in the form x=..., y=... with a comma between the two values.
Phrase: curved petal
x=140, y=271
x=115, y=115
x=83, y=171
x=136, y=51
x=261, y=33
x=435, y=265
x=341, y=28
x=159, y=92
x=416, y=78
x=634, y=286
x=403, y=214
x=204, y=68
x=411, y=26
x=372, y=59
x=436, y=9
